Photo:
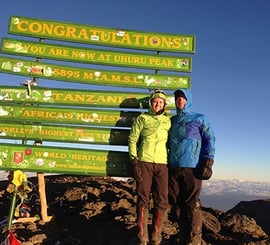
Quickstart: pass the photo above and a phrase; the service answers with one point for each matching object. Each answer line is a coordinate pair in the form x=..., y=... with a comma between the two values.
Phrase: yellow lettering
x=90, y=56
x=80, y=33
x=114, y=38
x=130, y=59
x=58, y=96
x=177, y=43
x=16, y=130
x=101, y=57
x=126, y=39
x=57, y=155
x=38, y=154
x=90, y=98
x=58, y=52
x=22, y=25
x=70, y=31
x=48, y=28
x=137, y=38
x=88, y=75
x=52, y=132
x=47, y=114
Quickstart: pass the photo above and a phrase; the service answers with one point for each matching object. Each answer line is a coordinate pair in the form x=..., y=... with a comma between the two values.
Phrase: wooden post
x=42, y=192
x=42, y=196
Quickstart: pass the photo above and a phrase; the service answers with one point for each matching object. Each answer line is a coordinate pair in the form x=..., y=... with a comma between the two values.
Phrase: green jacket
x=148, y=138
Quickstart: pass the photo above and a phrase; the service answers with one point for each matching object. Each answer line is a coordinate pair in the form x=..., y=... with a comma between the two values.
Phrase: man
x=148, y=154
x=191, y=156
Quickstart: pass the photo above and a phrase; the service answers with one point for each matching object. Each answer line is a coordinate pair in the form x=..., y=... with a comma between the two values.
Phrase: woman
x=148, y=154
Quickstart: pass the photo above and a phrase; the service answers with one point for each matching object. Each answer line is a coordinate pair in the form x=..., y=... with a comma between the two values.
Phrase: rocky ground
x=101, y=210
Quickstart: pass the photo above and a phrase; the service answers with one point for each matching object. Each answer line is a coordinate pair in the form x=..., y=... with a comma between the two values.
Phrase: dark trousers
x=155, y=180
x=184, y=197
x=184, y=188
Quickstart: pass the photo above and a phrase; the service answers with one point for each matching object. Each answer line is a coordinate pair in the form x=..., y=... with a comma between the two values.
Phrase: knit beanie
x=179, y=93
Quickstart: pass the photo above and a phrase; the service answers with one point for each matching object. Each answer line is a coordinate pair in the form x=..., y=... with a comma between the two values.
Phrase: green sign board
x=92, y=98
x=101, y=35
x=37, y=114
x=73, y=134
x=98, y=77
x=95, y=56
x=64, y=160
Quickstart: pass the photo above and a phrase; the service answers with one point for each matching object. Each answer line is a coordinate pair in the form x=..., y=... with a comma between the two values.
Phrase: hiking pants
x=184, y=196
x=155, y=180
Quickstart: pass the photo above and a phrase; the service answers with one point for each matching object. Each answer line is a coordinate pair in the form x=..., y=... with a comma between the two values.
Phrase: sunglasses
x=157, y=91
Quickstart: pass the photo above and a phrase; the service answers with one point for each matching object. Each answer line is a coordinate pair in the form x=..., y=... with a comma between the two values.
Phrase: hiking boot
x=142, y=242
x=158, y=219
x=143, y=225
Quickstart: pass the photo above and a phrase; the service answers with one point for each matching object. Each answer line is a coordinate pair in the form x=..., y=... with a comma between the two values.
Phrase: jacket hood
x=188, y=106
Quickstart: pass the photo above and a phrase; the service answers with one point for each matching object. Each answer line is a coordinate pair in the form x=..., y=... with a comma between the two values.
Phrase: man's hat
x=179, y=93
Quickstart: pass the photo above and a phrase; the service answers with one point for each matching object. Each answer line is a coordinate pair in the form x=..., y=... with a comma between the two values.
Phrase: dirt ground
x=88, y=210
x=85, y=210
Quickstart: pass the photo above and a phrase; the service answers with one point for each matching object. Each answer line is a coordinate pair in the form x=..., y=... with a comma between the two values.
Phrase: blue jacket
x=191, y=137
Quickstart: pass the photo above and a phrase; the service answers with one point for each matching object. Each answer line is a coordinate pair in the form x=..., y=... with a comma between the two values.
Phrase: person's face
x=157, y=104
x=180, y=102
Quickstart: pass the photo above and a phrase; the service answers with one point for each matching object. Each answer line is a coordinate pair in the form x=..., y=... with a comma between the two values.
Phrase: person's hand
x=137, y=172
x=204, y=170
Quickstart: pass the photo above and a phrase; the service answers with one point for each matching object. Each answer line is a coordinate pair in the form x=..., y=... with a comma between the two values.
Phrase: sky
x=230, y=75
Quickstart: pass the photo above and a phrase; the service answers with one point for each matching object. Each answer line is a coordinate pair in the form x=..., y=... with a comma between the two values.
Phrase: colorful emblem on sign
x=18, y=157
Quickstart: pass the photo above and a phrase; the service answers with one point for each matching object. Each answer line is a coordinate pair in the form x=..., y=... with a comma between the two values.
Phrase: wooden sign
x=101, y=35
x=95, y=56
x=64, y=160
x=45, y=114
x=73, y=134
x=93, y=98
x=97, y=77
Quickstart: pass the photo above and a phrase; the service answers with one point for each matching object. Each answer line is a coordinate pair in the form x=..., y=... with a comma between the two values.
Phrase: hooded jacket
x=149, y=134
x=191, y=137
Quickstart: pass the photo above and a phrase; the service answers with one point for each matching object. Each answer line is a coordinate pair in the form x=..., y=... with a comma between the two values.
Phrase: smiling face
x=158, y=104
x=180, y=102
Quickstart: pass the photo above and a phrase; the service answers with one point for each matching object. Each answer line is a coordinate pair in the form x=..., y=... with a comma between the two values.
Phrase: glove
x=204, y=170
x=137, y=172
